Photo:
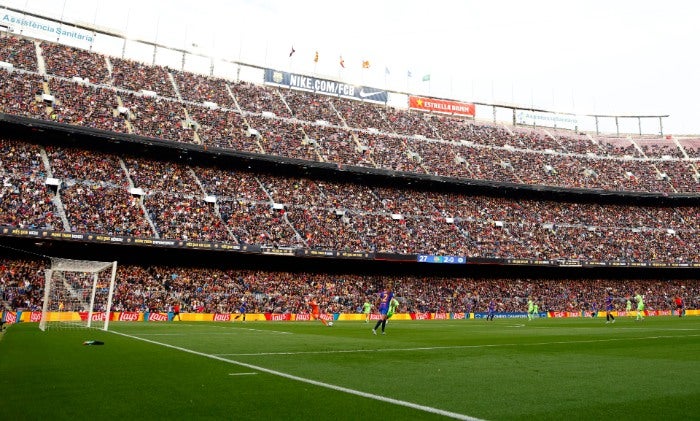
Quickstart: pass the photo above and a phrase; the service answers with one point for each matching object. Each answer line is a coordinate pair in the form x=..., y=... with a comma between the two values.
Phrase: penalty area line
x=385, y=399
x=438, y=348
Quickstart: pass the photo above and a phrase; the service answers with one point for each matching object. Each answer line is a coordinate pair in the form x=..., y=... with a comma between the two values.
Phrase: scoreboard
x=430, y=258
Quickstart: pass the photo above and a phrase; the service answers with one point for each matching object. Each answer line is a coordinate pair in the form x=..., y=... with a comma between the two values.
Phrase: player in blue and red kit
x=609, y=318
x=242, y=311
x=492, y=310
x=383, y=306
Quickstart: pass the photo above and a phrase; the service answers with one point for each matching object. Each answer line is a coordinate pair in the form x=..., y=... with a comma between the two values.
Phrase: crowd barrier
x=10, y=317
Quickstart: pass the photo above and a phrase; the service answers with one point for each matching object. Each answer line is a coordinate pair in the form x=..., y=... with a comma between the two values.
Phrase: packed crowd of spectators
x=691, y=147
x=20, y=94
x=157, y=288
x=307, y=106
x=25, y=200
x=87, y=105
x=260, y=99
x=334, y=144
x=20, y=52
x=224, y=129
x=360, y=114
x=185, y=218
x=388, y=152
x=158, y=117
x=104, y=209
x=410, y=123
x=362, y=133
x=175, y=201
x=231, y=184
x=134, y=76
x=200, y=89
x=283, y=138
x=69, y=62
x=252, y=207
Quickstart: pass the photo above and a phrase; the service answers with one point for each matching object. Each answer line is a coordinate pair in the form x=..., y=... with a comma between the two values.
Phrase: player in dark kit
x=594, y=309
x=492, y=310
x=609, y=318
x=383, y=306
x=242, y=311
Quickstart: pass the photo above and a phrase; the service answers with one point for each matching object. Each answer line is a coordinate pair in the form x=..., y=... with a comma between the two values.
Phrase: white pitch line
x=437, y=348
x=412, y=405
x=242, y=374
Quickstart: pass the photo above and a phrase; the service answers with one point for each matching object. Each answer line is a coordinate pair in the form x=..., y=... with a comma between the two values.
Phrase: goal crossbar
x=72, y=265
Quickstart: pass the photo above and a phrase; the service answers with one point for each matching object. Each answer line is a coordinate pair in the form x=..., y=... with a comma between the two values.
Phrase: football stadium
x=190, y=235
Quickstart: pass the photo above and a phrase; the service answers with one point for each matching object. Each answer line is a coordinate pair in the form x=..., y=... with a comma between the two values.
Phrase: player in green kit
x=393, y=305
x=366, y=309
x=639, y=298
x=530, y=309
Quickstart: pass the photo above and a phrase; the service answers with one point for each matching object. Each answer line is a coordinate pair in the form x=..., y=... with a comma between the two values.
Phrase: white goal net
x=78, y=294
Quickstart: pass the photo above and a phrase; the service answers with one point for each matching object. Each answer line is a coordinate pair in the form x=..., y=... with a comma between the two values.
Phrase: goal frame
x=80, y=266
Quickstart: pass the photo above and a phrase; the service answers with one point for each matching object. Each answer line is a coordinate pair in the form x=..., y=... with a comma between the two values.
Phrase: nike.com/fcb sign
x=441, y=105
x=324, y=86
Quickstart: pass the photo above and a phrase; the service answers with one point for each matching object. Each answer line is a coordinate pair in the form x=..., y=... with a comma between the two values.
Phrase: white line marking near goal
x=242, y=374
x=310, y=381
x=438, y=348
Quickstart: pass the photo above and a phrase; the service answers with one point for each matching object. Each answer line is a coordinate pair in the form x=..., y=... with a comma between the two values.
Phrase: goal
x=77, y=294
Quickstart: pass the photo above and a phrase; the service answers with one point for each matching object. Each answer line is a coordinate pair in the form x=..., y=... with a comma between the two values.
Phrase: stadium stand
x=480, y=150
x=20, y=52
x=70, y=62
x=273, y=211
x=81, y=104
x=137, y=195
x=137, y=77
x=22, y=94
x=153, y=288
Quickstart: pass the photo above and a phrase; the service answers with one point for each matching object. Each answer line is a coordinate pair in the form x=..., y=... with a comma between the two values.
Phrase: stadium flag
x=365, y=64
x=291, y=53
x=316, y=57
x=426, y=78
x=342, y=62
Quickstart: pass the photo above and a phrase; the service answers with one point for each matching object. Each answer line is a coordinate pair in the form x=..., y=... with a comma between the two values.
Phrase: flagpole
x=126, y=32
x=267, y=42
x=155, y=44
x=315, y=62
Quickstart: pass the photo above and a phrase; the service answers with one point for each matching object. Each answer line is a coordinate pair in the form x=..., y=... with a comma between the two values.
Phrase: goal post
x=78, y=294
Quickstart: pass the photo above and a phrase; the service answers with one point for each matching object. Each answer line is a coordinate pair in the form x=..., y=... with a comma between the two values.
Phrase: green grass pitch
x=508, y=369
